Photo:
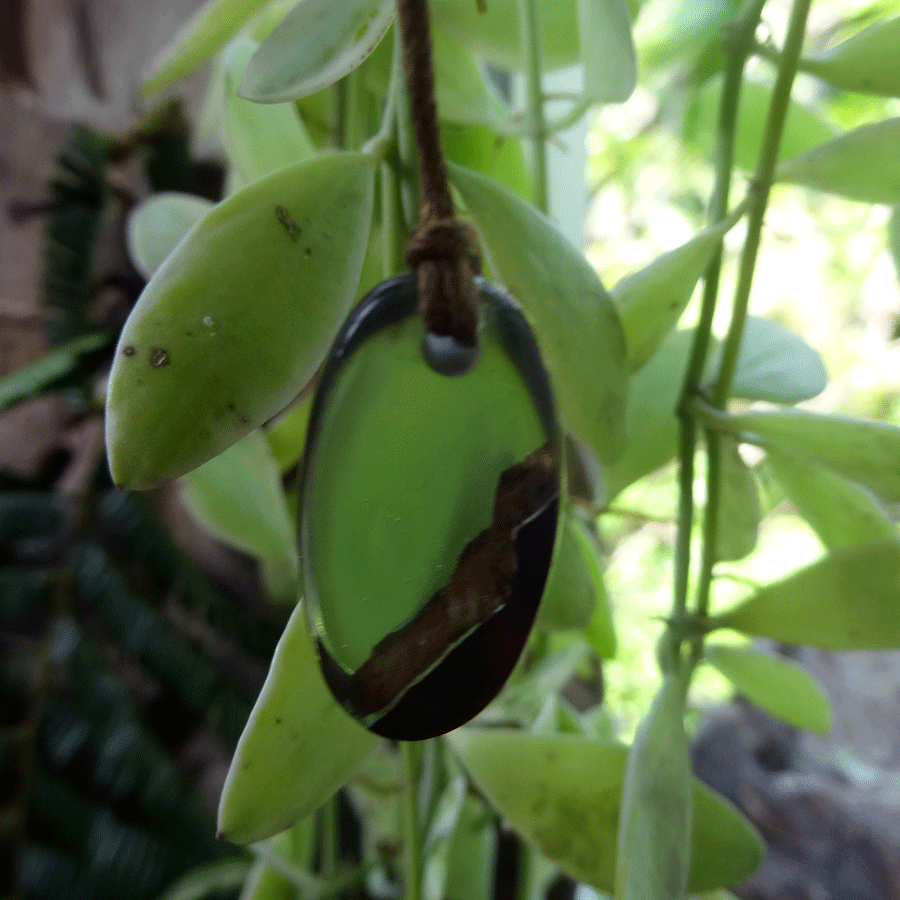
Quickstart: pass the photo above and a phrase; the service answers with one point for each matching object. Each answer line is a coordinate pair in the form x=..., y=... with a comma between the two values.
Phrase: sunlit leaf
x=868, y=62
x=739, y=509
x=238, y=497
x=236, y=321
x=859, y=165
x=298, y=748
x=607, y=50
x=315, y=45
x=776, y=685
x=777, y=365
x=261, y=138
x=493, y=32
x=655, y=823
x=850, y=600
x=157, y=225
x=499, y=157
x=206, y=31
x=562, y=794
x=859, y=449
x=575, y=320
x=840, y=511
x=651, y=300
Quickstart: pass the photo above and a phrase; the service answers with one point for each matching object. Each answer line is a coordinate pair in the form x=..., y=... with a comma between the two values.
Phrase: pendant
x=429, y=511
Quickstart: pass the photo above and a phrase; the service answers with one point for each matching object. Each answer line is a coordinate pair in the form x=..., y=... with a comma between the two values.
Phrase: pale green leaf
x=499, y=157
x=776, y=685
x=777, y=365
x=238, y=497
x=575, y=321
x=314, y=46
x=287, y=435
x=209, y=29
x=840, y=511
x=471, y=860
x=157, y=225
x=298, y=748
x=653, y=845
x=265, y=883
x=739, y=509
x=563, y=793
x=261, y=138
x=850, y=600
x=859, y=165
x=869, y=62
x=859, y=449
x=607, y=50
x=22, y=383
x=238, y=318
x=494, y=32
x=651, y=300
x=443, y=824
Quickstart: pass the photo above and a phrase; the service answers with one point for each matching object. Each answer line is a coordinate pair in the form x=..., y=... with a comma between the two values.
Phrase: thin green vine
x=412, y=828
x=529, y=29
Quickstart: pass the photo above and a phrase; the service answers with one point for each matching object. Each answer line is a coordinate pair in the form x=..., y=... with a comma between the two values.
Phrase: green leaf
x=499, y=157
x=850, y=600
x=157, y=225
x=653, y=848
x=238, y=318
x=314, y=46
x=868, y=62
x=651, y=300
x=237, y=496
x=572, y=588
x=607, y=50
x=576, y=323
x=739, y=509
x=207, y=31
x=37, y=376
x=840, y=511
x=472, y=856
x=563, y=793
x=443, y=825
x=462, y=93
x=265, y=883
x=298, y=748
x=777, y=365
x=212, y=878
x=261, y=138
x=494, y=34
x=859, y=165
x=859, y=449
x=803, y=129
x=774, y=684
x=287, y=435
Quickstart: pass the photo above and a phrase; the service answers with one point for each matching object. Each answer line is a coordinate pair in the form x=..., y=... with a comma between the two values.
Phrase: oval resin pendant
x=429, y=511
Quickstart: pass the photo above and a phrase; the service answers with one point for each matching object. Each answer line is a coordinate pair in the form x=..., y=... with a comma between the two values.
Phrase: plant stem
x=329, y=839
x=738, y=44
x=529, y=29
x=412, y=832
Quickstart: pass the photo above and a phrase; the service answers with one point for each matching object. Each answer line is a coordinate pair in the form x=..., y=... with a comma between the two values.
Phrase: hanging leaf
x=238, y=497
x=261, y=138
x=840, y=511
x=777, y=365
x=774, y=684
x=859, y=165
x=739, y=509
x=607, y=50
x=498, y=157
x=462, y=93
x=208, y=30
x=803, y=128
x=493, y=33
x=287, y=435
x=651, y=300
x=562, y=794
x=157, y=225
x=858, y=449
x=471, y=860
x=850, y=600
x=576, y=323
x=298, y=748
x=571, y=592
x=443, y=825
x=868, y=62
x=314, y=46
x=236, y=321
x=653, y=848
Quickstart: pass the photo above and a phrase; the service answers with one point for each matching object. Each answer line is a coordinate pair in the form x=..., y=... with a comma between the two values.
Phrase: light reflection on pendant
x=429, y=511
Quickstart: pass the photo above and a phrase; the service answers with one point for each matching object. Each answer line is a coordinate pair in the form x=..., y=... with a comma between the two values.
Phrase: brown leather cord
x=442, y=249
